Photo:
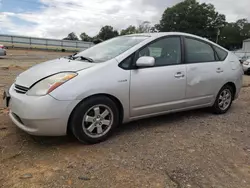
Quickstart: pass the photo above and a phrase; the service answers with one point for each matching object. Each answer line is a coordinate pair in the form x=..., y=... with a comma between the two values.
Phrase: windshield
x=111, y=48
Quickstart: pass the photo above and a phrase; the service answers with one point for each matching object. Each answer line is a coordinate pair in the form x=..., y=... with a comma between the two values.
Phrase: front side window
x=166, y=51
x=111, y=48
x=198, y=51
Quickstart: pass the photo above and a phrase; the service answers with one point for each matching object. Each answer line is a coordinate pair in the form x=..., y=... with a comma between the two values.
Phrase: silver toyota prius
x=123, y=79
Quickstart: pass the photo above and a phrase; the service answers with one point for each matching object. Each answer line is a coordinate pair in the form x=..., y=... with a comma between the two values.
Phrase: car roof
x=162, y=34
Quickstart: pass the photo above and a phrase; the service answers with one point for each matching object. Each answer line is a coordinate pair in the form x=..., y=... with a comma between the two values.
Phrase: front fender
x=104, y=79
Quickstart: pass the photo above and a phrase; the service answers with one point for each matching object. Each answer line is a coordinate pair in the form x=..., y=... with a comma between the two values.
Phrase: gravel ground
x=189, y=149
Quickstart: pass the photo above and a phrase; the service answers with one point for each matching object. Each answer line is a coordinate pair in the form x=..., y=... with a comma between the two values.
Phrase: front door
x=161, y=88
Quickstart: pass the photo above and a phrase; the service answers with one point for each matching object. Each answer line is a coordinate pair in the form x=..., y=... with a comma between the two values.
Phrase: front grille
x=20, y=89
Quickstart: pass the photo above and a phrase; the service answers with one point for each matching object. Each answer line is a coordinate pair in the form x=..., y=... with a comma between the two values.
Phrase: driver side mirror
x=145, y=61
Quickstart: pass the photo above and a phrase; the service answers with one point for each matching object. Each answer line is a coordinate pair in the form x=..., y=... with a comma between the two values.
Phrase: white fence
x=242, y=54
x=43, y=43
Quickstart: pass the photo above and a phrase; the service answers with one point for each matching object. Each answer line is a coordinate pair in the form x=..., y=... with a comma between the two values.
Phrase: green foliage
x=71, y=36
x=144, y=27
x=86, y=38
x=188, y=16
x=130, y=30
x=192, y=17
x=107, y=32
x=233, y=34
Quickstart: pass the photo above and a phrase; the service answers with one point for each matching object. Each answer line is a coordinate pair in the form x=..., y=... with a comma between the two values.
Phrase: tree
x=144, y=27
x=130, y=30
x=71, y=36
x=85, y=37
x=107, y=32
x=230, y=37
x=154, y=29
x=244, y=27
x=232, y=34
x=192, y=17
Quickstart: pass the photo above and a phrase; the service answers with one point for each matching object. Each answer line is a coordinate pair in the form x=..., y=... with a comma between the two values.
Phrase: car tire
x=92, y=116
x=223, y=100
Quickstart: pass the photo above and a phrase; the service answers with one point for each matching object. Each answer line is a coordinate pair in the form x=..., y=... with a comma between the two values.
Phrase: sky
x=57, y=18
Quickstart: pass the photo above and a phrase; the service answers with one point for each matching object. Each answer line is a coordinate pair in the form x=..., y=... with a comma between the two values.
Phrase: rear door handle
x=179, y=75
x=219, y=70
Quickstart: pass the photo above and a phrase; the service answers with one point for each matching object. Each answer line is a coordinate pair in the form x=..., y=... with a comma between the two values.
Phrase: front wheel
x=94, y=119
x=224, y=100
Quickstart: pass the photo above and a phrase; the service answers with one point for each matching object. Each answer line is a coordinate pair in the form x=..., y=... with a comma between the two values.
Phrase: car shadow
x=169, y=120
x=54, y=140
x=159, y=121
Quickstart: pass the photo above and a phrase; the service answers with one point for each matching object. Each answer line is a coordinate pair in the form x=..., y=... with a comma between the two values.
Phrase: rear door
x=204, y=72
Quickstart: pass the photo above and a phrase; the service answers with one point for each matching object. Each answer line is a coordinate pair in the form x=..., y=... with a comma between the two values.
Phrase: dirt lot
x=190, y=149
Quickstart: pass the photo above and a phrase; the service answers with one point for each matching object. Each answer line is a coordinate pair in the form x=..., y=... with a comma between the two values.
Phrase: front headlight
x=48, y=84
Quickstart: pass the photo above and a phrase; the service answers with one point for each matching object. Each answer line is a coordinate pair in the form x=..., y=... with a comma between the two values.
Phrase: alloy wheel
x=225, y=99
x=97, y=121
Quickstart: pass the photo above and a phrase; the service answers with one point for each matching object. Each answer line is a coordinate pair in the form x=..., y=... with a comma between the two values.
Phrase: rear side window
x=198, y=51
x=222, y=54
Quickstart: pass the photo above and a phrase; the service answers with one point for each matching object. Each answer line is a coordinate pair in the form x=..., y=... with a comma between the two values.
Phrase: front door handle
x=219, y=70
x=179, y=75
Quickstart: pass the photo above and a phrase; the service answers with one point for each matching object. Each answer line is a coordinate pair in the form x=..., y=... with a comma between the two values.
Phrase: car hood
x=40, y=71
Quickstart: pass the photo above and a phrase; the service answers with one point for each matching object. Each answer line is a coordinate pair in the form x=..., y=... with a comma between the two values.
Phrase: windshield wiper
x=73, y=57
x=85, y=58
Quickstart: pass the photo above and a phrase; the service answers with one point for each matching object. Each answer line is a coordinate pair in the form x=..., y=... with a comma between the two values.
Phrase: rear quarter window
x=222, y=54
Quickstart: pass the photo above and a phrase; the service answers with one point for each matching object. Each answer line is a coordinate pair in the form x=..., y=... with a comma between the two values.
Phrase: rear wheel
x=94, y=119
x=224, y=100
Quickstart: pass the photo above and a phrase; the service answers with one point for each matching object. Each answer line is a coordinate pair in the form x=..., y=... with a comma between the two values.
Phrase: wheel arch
x=113, y=98
x=233, y=86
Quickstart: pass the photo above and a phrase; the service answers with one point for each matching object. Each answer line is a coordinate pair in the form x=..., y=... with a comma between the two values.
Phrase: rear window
x=222, y=54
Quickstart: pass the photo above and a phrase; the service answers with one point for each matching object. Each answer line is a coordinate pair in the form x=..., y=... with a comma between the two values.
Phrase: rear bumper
x=238, y=83
x=40, y=115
